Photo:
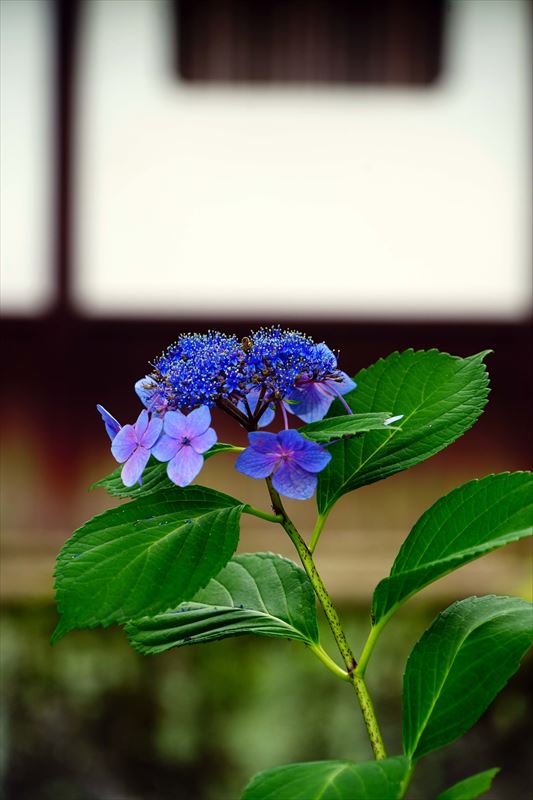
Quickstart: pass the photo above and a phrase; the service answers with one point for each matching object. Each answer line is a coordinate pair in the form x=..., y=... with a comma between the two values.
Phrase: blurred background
x=358, y=170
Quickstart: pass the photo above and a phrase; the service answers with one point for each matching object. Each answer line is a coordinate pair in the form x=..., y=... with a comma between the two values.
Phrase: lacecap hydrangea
x=255, y=380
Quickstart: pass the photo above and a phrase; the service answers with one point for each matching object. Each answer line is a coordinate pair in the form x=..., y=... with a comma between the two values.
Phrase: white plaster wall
x=26, y=213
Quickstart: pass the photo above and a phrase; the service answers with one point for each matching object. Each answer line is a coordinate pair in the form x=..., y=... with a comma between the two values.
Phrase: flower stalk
x=306, y=557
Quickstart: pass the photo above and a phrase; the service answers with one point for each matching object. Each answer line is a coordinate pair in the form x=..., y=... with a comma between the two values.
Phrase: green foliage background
x=93, y=719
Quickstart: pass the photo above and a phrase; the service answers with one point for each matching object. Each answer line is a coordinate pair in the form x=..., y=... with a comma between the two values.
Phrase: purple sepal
x=185, y=466
x=184, y=440
x=292, y=460
x=311, y=400
x=293, y=481
x=256, y=464
x=112, y=425
x=132, y=445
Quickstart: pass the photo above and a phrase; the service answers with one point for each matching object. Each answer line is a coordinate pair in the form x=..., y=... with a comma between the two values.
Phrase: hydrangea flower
x=313, y=394
x=272, y=369
x=276, y=359
x=185, y=439
x=292, y=461
x=246, y=378
x=132, y=445
x=201, y=369
x=112, y=425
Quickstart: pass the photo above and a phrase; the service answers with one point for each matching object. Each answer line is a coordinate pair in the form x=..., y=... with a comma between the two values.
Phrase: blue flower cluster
x=276, y=360
x=272, y=369
x=201, y=369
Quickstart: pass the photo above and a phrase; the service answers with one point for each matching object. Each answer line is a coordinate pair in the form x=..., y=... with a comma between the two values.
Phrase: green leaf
x=154, y=479
x=154, y=476
x=474, y=519
x=331, y=780
x=458, y=667
x=257, y=593
x=345, y=426
x=440, y=396
x=144, y=557
x=470, y=788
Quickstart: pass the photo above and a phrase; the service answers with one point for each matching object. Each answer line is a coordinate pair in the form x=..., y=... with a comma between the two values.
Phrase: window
x=368, y=41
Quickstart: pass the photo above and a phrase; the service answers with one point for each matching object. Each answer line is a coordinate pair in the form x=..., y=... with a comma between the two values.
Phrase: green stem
x=370, y=643
x=256, y=512
x=320, y=590
x=369, y=716
x=332, y=617
x=407, y=780
x=315, y=536
x=319, y=651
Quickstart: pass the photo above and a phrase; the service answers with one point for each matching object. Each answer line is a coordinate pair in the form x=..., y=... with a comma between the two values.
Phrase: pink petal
x=198, y=421
x=204, y=441
x=134, y=466
x=175, y=424
x=185, y=466
x=124, y=443
x=152, y=432
x=141, y=424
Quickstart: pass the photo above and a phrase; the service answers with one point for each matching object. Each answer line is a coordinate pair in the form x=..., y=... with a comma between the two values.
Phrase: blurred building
x=359, y=170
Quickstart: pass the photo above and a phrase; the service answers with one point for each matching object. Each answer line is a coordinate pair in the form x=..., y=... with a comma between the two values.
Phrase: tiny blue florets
x=216, y=368
x=201, y=369
x=277, y=359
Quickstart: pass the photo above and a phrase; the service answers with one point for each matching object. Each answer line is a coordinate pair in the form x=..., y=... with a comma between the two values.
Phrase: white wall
x=360, y=202
x=26, y=212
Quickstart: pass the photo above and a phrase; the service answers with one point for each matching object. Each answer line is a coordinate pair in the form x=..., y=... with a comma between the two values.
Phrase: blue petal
x=152, y=433
x=206, y=440
x=252, y=397
x=310, y=402
x=134, y=466
x=124, y=443
x=344, y=385
x=309, y=455
x=266, y=417
x=293, y=481
x=145, y=389
x=255, y=464
x=185, y=466
x=291, y=439
x=141, y=426
x=112, y=425
x=197, y=422
x=263, y=441
x=175, y=425
x=151, y=395
x=166, y=448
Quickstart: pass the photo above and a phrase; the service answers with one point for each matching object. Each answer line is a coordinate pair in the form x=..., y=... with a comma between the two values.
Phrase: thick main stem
x=334, y=622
